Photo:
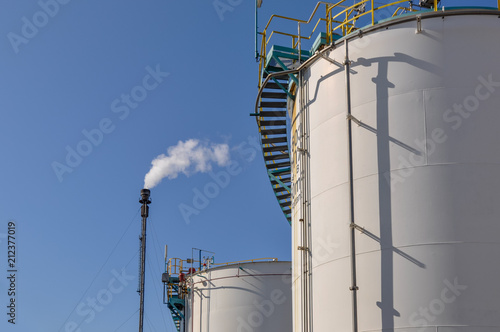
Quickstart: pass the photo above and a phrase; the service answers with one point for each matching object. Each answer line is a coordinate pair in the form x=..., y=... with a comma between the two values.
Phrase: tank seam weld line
x=408, y=246
x=372, y=101
x=412, y=92
x=400, y=169
x=241, y=276
x=420, y=166
x=437, y=326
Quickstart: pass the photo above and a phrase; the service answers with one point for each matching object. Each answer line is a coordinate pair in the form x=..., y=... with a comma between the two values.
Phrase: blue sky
x=194, y=73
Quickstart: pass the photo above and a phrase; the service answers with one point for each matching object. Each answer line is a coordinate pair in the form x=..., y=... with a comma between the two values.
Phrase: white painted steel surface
x=246, y=297
x=426, y=180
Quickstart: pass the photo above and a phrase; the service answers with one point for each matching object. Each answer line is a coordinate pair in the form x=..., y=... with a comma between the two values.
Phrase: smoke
x=191, y=156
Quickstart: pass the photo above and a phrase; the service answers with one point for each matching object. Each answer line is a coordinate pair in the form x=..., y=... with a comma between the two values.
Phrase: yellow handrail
x=332, y=20
x=404, y=9
x=265, y=39
x=302, y=21
x=272, y=259
x=174, y=266
x=348, y=11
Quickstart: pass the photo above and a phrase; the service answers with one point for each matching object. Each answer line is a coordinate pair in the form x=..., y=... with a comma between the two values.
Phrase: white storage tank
x=243, y=297
x=425, y=97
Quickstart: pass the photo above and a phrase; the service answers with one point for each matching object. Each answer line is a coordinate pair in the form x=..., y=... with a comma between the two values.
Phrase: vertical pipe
x=329, y=23
x=256, y=32
x=144, y=214
x=191, y=307
x=199, y=258
x=435, y=5
x=354, y=287
x=307, y=211
x=305, y=300
x=498, y=4
x=327, y=19
x=373, y=14
x=305, y=218
x=300, y=44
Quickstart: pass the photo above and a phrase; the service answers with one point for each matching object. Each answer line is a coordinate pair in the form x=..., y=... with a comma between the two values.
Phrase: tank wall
x=426, y=180
x=249, y=297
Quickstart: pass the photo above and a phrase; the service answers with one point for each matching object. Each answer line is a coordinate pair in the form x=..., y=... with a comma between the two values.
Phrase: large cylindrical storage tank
x=425, y=97
x=244, y=297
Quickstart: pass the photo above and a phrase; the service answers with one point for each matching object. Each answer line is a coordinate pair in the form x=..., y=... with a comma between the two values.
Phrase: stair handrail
x=285, y=72
x=333, y=22
x=268, y=259
x=265, y=39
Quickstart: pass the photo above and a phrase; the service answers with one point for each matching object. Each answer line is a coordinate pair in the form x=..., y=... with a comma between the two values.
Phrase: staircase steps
x=273, y=104
x=278, y=165
x=274, y=140
x=272, y=121
x=275, y=86
x=281, y=148
x=280, y=156
x=274, y=95
x=266, y=132
x=285, y=196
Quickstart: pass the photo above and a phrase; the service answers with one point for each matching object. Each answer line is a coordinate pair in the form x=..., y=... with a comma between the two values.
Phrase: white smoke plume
x=191, y=156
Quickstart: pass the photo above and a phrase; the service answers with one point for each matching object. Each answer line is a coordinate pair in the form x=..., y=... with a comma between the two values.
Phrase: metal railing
x=271, y=259
x=296, y=38
x=338, y=18
x=174, y=266
x=350, y=20
x=402, y=10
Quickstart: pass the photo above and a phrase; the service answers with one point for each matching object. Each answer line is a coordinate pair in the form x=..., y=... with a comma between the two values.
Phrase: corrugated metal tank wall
x=426, y=167
x=246, y=297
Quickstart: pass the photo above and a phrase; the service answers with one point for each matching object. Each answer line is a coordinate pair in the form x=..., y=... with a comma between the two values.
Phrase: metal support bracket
x=281, y=86
x=303, y=248
x=271, y=175
x=357, y=227
x=331, y=60
x=338, y=64
x=284, y=67
x=419, y=24
x=350, y=117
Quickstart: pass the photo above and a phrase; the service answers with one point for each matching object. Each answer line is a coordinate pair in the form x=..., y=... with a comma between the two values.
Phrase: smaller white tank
x=240, y=297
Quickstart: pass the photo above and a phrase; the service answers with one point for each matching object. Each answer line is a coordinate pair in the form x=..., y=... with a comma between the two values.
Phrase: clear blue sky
x=76, y=229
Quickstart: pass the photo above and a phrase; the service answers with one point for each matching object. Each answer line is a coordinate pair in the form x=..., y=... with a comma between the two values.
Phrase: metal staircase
x=174, y=291
x=272, y=119
x=276, y=91
x=176, y=306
